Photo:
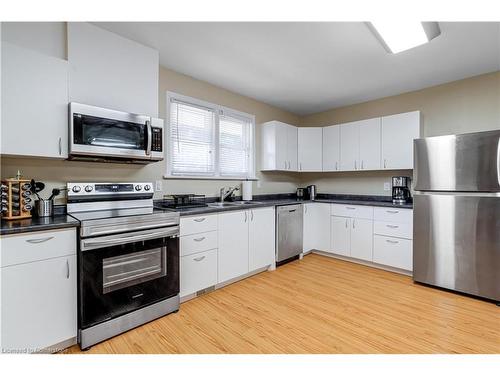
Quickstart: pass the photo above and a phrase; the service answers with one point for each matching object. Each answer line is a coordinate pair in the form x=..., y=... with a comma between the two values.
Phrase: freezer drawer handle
x=390, y=241
x=392, y=226
x=199, y=259
x=39, y=240
x=199, y=220
x=199, y=239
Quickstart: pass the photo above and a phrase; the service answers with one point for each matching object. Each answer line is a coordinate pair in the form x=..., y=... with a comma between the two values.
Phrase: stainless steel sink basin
x=242, y=203
x=232, y=204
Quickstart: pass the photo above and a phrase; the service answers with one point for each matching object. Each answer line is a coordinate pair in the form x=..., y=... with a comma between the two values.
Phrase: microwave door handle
x=150, y=136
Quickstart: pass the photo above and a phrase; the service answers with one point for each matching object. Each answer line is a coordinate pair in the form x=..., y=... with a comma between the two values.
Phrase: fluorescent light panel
x=401, y=35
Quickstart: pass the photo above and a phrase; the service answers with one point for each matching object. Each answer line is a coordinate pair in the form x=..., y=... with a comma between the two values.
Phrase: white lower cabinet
x=39, y=296
x=198, y=271
x=394, y=252
x=341, y=235
x=362, y=239
x=261, y=238
x=316, y=235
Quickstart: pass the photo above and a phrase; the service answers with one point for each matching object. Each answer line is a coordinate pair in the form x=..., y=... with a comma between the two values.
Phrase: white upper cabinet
x=34, y=103
x=310, y=144
x=110, y=71
x=369, y=144
x=398, y=133
x=331, y=148
x=279, y=146
x=349, y=146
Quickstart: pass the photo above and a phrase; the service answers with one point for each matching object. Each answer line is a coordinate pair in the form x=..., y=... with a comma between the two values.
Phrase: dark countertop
x=276, y=201
x=37, y=224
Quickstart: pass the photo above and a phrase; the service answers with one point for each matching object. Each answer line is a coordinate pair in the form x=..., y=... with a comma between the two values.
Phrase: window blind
x=234, y=145
x=192, y=138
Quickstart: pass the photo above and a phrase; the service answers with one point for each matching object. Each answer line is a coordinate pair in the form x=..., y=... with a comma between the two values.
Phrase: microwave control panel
x=157, y=139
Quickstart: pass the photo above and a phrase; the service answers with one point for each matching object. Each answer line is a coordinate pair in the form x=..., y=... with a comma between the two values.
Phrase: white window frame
x=218, y=110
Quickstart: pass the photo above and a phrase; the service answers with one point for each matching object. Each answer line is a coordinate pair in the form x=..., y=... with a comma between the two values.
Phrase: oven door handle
x=150, y=136
x=120, y=239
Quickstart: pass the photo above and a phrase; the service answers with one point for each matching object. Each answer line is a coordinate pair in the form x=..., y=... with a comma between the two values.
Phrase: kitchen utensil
x=55, y=193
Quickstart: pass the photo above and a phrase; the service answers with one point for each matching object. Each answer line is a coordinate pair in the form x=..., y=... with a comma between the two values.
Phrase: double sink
x=233, y=204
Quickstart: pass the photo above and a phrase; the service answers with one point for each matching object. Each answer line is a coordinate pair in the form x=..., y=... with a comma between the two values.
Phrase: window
x=205, y=140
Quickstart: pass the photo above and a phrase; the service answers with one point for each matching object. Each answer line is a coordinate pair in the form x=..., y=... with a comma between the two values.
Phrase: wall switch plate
x=259, y=184
x=387, y=186
x=159, y=185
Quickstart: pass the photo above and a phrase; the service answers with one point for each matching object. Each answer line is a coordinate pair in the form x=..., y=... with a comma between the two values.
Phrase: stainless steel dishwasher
x=288, y=233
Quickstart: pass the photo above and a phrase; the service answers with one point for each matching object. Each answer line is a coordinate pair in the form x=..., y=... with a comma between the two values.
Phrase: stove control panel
x=76, y=189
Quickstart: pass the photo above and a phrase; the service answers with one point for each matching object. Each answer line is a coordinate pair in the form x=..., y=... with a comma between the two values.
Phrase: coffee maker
x=401, y=193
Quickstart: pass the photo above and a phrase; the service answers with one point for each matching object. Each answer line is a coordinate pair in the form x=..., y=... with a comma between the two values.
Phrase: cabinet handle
x=353, y=225
x=350, y=208
x=199, y=259
x=199, y=220
x=67, y=269
x=251, y=215
x=305, y=208
x=346, y=223
x=246, y=216
x=390, y=241
x=355, y=164
x=362, y=164
x=285, y=165
x=392, y=226
x=60, y=146
x=385, y=163
x=336, y=165
x=392, y=212
x=199, y=239
x=39, y=240
x=289, y=164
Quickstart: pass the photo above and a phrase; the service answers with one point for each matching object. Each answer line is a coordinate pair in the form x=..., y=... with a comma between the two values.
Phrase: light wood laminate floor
x=320, y=305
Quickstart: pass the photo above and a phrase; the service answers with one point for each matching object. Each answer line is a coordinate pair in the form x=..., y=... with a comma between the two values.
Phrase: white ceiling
x=311, y=67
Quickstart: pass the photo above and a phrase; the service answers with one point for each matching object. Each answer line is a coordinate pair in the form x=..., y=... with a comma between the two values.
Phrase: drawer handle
x=40, y=240
x=391, y=241
x=392, y=212
x=199, y=220
x=351, y=208
x=392, y=226
x=199, y=259
x=199, y=239
x=67, y=269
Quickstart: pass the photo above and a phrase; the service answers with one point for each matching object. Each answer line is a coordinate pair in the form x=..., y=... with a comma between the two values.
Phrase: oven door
x=122, y=273
x=103, y=132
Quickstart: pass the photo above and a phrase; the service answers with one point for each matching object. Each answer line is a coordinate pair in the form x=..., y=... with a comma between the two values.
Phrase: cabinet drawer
x=198, y=224
x=360, y=212
x=394, y=252
x=396, y=215
x=386, y=228
x=195, y=243
x=198, y=271
x=23, y=248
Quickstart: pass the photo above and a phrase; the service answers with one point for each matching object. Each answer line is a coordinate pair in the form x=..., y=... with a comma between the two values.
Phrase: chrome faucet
x=226, y=193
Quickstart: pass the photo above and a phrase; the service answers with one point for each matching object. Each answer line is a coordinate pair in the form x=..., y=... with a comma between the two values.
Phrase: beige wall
x=464, y=106
x=58, y=172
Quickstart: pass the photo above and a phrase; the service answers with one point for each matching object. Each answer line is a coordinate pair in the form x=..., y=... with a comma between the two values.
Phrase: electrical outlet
x=387, y=186
x=259, y=184
x=159, y=185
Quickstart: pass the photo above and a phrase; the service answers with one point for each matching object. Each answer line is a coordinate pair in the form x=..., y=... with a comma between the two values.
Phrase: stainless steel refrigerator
x=456, y=233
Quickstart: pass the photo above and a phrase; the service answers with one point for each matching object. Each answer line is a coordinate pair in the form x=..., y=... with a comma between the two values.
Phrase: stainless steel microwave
x=100, y=134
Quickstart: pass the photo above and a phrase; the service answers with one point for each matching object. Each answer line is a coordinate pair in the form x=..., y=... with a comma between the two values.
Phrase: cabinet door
x=398, y=133
x=281, y=142
x=261, y=239
x=369, y=144
x=331, y=148
x=34, y=103
x=233, y=245
x=310, y=144
x=362, y=239
x=292, y=145
x=349, y=146
x=316, y=226
x=341, y=235
x=39, y=303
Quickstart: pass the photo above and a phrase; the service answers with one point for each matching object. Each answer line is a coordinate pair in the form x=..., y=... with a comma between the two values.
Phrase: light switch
x=159, y=185
x=387, y=186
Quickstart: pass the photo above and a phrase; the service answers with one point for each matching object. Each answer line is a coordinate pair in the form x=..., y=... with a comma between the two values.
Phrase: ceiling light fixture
x=397, y=36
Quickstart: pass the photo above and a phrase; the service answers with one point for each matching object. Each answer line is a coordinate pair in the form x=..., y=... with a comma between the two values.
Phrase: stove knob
x=147, y=187
x=88, y=188
x=76, y=189
x=138, y=187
